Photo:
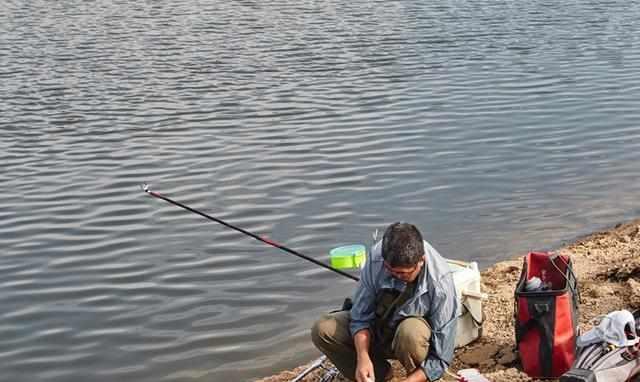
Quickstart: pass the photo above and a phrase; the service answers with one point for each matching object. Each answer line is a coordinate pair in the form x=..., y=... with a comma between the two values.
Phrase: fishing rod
x=316, y=364
x=145, y=188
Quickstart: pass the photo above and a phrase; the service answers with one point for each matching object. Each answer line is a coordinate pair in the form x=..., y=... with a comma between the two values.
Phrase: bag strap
x=384, y=312
x=540, y=309
x=401, y=299
x=569, y=266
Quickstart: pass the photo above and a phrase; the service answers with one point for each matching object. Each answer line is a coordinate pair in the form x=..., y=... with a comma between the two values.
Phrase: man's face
x=406, y=274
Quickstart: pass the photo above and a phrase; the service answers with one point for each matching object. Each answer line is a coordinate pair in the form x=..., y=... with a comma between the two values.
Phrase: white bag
x=466, y=278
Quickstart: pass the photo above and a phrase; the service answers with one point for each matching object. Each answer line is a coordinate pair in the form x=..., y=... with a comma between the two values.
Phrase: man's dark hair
x=402, y=245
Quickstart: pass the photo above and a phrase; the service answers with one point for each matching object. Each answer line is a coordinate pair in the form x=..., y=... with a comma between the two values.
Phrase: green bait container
x=348, y=256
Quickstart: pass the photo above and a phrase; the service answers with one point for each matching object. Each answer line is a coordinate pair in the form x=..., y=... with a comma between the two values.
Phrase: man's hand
x=364, y=370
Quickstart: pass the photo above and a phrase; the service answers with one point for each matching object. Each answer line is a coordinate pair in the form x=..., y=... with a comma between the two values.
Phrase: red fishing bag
x=546, y=315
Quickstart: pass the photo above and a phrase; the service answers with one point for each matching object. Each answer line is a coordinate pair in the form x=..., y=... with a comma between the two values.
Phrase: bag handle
x=573, y=286
x=523, y=277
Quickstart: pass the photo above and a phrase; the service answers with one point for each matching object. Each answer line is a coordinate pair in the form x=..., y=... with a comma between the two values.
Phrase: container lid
x=348, y=256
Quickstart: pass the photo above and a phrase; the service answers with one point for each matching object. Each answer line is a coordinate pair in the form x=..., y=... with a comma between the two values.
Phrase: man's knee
x=412, y=336
x=323, y=328
x=331, y=328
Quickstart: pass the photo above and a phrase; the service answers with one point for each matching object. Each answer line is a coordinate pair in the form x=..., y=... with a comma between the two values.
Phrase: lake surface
x=496, y=127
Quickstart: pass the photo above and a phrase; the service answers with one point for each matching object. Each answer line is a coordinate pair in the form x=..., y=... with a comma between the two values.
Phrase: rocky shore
x=607, y=265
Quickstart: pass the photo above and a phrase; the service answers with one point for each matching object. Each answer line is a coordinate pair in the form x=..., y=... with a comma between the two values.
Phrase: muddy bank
x=607, y=266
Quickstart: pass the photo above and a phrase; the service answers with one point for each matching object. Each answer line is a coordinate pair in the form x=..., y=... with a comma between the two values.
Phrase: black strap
x=401, y=299
x=384, y=313
x=542, y=316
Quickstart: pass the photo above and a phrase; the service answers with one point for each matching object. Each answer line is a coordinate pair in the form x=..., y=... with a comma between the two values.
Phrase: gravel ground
x=607, y=265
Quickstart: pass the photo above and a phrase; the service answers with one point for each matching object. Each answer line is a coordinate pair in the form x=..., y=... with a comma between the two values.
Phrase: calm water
x=495, y=126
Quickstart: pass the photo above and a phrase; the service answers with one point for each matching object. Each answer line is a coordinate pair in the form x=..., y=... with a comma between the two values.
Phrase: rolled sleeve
x=443, y=323
x=363, y=309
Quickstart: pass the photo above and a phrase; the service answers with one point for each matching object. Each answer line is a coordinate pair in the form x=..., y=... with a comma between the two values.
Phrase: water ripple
x=313, y=124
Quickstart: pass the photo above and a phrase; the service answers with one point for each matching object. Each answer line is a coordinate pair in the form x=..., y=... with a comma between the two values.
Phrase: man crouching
x=404, y=308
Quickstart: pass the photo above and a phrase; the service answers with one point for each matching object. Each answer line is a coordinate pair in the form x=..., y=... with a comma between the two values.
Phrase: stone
x=507, y=357
x=634, y=292
x=479, y=355
x=487, y=364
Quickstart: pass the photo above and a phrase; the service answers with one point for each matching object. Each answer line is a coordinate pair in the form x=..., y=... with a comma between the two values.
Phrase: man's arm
x=363, y=309
x=362, y=317
x=443, y=322
x=364, y=365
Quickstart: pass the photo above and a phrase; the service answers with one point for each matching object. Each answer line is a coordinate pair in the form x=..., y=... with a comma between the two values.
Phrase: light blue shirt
x=434, y=299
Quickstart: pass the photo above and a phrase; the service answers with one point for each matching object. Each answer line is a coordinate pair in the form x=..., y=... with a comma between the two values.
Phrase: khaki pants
x=410, y=344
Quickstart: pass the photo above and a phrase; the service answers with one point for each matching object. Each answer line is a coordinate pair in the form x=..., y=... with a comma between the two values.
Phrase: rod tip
x=145, y=187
